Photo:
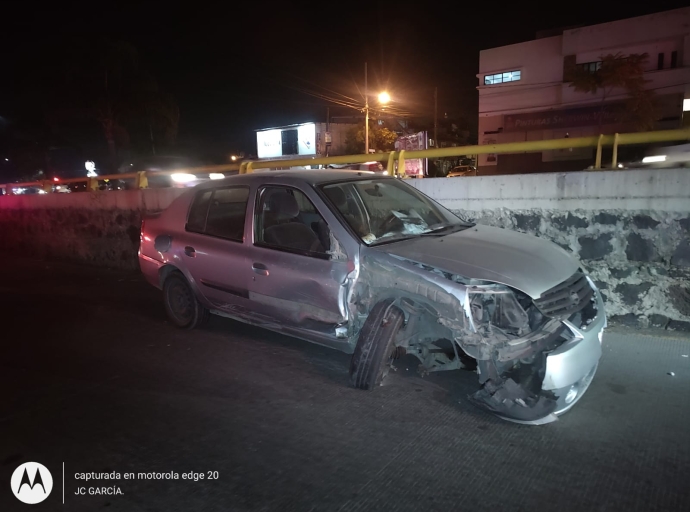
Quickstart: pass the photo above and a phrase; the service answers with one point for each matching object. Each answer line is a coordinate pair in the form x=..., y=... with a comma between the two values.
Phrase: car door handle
x=189, y=251
x=260, y=268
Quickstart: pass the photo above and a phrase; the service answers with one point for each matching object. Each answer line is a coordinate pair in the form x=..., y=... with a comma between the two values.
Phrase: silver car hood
x=528, y=263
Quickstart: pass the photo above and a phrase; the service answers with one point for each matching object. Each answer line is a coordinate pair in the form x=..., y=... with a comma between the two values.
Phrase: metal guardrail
x=597, y=141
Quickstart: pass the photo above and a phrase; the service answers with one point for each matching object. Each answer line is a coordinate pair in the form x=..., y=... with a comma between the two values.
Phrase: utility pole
x=435, y=117
x=366, y=112
x=328, y=128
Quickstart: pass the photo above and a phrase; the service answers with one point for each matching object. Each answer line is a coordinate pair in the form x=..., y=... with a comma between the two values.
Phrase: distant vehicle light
x=620, y=166
x=216, y=176
x=385, y=173
x=654, y=159
x=56, y=179
x=41, y=191
x=182, y=177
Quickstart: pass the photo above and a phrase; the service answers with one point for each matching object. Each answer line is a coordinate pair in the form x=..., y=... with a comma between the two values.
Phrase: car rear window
x=227, y=212
x=220, y=212
x=197, y=213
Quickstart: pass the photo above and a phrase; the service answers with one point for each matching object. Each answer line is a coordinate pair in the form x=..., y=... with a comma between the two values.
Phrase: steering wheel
x=387, y=224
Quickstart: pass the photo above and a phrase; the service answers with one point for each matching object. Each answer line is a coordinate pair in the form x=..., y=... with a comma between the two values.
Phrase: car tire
x=181, y=305
x=375, y=345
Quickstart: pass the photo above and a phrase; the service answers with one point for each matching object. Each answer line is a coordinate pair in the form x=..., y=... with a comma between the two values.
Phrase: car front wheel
x=181, y=305
x=375, y=346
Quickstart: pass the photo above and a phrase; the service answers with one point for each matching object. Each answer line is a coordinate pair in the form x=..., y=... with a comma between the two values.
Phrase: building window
x=674, y=59
x=501, y=78
x=660, y=61
x=590, y=67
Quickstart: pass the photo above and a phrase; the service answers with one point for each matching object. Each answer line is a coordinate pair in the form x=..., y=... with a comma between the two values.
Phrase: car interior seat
x=287, y=231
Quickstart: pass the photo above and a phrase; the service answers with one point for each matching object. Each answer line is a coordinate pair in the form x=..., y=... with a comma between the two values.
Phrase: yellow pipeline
x=595, y=141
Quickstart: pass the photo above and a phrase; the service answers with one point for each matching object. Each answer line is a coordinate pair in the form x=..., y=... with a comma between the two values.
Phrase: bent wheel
x=375, y=346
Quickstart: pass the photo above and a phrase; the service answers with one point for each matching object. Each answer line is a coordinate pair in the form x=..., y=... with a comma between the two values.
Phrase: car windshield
x=388, y=210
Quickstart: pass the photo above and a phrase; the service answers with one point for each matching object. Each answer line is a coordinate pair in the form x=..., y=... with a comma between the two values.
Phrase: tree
x=618, y=72
x=380, y=138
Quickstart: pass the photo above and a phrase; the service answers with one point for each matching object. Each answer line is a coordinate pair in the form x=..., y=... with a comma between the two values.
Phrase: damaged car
x=368, y=265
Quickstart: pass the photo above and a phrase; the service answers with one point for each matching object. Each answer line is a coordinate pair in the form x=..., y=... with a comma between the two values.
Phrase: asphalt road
x=94, y=377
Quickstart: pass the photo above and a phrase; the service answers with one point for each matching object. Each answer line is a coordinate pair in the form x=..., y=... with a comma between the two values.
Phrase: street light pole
x=366, y=112
x=436, y=117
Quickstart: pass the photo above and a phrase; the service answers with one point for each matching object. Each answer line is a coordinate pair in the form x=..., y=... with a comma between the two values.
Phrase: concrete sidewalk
x=96, y=378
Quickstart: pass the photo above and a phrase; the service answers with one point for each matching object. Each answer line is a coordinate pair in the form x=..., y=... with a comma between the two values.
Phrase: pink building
x=524, y=93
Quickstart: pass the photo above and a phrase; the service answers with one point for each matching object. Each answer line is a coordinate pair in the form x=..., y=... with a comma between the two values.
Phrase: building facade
x=525, y=90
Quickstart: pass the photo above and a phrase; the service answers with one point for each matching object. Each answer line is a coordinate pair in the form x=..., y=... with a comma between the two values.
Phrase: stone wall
x=629, y=229
x=640, y=260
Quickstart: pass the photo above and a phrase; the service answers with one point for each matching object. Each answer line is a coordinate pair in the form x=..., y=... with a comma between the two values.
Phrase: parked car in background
x=376, y=167
x=462, y=170
x=368, y=265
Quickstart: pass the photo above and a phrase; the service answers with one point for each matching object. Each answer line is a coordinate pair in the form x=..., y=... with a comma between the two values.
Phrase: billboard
x=414, y=166
x=268, y=144
x=286, y=141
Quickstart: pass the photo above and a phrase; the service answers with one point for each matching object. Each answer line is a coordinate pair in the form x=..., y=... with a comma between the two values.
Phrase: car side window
x=287, y=220
x=227, y=212
x=197, y=213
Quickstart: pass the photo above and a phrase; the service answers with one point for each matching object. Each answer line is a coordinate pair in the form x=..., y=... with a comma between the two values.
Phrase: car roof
x=309, y=176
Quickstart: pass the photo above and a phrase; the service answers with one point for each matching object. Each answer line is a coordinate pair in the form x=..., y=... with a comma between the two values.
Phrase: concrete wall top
x=145, y=199
x=647, y=189
x=644, y=189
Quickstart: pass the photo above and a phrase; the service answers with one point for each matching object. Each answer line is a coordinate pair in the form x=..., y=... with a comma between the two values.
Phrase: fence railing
x=140, y=179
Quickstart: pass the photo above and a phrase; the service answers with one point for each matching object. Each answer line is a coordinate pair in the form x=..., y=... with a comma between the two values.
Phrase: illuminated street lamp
x=384, y=98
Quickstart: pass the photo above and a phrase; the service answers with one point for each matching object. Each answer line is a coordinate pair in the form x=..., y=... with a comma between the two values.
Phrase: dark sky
x=234, y=66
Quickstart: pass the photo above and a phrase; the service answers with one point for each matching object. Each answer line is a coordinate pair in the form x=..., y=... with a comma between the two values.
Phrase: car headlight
x=499, y=306
x=181, y=177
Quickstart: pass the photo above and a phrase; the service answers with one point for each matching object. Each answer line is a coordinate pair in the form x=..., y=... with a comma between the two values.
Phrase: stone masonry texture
x=639, y=260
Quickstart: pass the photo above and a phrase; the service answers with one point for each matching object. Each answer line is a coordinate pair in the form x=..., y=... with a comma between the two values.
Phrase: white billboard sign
x=306, y=137
x=288, y=141
x=269, y=144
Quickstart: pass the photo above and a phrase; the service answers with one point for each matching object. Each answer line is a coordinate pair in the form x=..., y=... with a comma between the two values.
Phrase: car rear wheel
x=183, y=308
x=375, y=347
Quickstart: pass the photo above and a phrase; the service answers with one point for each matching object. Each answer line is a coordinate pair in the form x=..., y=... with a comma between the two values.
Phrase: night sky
x=237, y=68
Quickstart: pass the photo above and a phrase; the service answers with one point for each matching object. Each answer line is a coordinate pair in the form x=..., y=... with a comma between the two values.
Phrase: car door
x=216, y=251
x=297, y=277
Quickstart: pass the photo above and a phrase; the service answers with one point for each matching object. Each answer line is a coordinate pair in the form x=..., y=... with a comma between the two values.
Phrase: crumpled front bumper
x=568, y=371
x=571, y=367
